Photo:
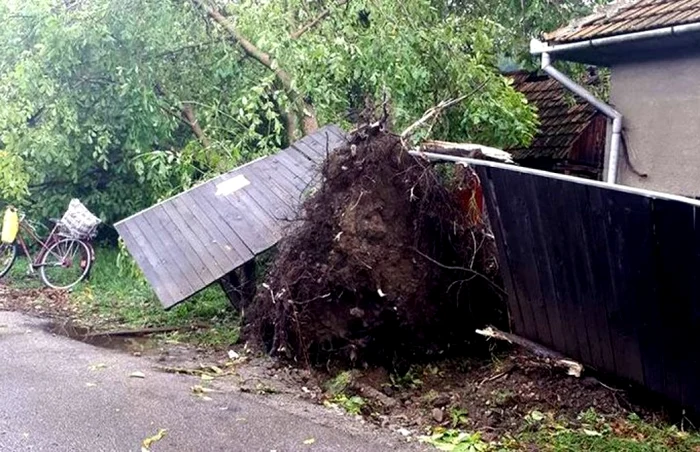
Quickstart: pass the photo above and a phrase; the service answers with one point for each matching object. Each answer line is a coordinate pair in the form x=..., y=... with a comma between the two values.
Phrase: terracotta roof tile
x=563, y=117
x=624, y=17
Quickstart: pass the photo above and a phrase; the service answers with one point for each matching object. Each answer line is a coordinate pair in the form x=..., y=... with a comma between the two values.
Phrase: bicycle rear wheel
x=65, y=263
x=8, y=254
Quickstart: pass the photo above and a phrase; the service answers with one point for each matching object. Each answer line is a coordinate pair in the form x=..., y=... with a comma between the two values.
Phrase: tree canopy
x=123, y=103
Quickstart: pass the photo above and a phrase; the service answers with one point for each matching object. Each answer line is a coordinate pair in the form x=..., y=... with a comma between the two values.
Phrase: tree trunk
x=303, y=110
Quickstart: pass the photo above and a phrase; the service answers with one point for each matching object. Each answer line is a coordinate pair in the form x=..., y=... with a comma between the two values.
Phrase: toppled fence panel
x=607, y=275
x=191, y=240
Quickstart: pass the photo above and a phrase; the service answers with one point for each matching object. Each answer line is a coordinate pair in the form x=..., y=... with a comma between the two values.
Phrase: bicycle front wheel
x=65, y=263
x=8, y=253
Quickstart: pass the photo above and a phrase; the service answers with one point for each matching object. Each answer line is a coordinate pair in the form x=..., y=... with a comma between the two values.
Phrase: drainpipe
x=601, y=106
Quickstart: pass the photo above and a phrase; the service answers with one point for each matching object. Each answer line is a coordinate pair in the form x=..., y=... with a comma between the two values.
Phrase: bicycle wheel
x=8, y=254
x=65, y=263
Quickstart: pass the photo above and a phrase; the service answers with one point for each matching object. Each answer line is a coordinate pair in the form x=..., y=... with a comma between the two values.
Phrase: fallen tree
x=392, y=261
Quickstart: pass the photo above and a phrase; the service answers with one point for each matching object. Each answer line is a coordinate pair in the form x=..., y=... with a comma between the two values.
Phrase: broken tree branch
x=433, y=112
x=304, y=109
x=573, y=368
x=468, y=150
x=191, y=119
x=315, y=21
x=134, y=332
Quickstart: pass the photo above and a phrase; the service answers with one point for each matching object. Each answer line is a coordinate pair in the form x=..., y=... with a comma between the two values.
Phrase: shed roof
x=563, y=116
x=624, y=17
x=191, y=240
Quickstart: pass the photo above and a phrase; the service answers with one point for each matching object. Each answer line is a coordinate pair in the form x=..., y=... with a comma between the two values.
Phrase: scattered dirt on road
x=39, y=302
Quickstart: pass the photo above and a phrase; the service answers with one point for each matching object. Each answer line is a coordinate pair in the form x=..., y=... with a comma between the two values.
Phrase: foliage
x=406, y=50
x=352, y=405
x=522, y=20
x=99, y=95
x=93, y=94
x=452, y=440
x=340, y=383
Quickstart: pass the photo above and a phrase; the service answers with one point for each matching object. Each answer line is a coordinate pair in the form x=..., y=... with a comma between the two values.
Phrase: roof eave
x=600, y=50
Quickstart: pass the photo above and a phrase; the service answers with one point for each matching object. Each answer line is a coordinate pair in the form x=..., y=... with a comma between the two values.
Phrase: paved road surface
x=56, y=396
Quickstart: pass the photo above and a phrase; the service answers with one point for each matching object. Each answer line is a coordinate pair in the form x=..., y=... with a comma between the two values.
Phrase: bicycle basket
x=78, y=222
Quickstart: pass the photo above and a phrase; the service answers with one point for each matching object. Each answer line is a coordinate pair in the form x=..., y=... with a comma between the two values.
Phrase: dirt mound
x=392, y=262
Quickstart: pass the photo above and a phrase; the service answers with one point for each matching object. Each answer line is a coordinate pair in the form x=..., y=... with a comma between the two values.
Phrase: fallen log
x=467, y=150
x=572, y=367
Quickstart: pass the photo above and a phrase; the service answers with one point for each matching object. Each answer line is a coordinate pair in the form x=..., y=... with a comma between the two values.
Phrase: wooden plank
x=178, y=248
x=312, y=153
x=598, y=272
x=671, y=329
x=285, y=208
x=591, y=305
x=167, y=267
x=491, y=199
x=557, y=231
x=302, y=161
x=323, y=142
x=540, y=225
x=266, y=224
x=529, y=270
x=191, y=245
x=282, y=173
x=141, y=251
x=206, y=246
x=691, y=390
x=200, y=203
x=234, y=214
x=629, y=236
x=579, y=268
x=311, y=171
x=340, y=136
x=522, y=269
x=294, y=167
x=263, y=194
x=273, y=176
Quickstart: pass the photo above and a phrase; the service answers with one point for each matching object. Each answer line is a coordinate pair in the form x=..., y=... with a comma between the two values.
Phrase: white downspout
x=601, y=106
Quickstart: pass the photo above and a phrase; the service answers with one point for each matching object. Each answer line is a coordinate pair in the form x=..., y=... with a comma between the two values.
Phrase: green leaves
x=123, y=103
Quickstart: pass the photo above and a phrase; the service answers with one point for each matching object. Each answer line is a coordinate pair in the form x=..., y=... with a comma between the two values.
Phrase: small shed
x=571, y=135
x=189, y=241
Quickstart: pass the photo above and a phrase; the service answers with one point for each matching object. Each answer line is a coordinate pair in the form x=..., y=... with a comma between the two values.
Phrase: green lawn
x=117, y=296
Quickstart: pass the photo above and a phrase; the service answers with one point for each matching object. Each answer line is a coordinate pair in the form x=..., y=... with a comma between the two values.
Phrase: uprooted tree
x=392, y=261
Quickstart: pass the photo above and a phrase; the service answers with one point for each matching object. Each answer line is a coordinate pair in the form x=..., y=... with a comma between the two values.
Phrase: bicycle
x=63, y=261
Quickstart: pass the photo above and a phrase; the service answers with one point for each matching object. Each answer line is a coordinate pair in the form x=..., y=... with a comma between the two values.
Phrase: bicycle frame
x=50, y=240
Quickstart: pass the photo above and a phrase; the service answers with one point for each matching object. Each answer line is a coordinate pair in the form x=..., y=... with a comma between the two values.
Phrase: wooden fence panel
x=607, y=275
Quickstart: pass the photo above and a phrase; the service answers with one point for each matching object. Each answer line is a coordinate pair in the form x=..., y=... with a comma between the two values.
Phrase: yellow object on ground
x=10, y=225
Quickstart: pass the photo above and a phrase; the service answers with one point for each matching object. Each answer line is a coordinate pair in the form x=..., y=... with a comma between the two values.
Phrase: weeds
x=456, y=441
x=353, y=405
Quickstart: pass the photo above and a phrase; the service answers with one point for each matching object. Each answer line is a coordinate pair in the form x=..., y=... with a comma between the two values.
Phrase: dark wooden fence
x=606, y=275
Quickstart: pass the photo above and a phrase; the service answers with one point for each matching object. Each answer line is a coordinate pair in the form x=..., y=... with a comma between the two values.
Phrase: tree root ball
x=391, y=262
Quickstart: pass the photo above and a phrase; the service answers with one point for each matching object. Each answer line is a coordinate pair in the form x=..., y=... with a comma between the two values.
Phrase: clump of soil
x=392, y=263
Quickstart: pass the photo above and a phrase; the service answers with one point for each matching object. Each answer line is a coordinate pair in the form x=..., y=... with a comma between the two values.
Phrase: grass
x=602, y=434
x=591, y=432
x=117, y=296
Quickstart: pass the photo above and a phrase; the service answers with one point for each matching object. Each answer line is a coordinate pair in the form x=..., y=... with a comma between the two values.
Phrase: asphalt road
x=57, y=394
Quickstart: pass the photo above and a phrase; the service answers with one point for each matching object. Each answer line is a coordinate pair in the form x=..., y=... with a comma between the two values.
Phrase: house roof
x=624, y=17
x=563, y=116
